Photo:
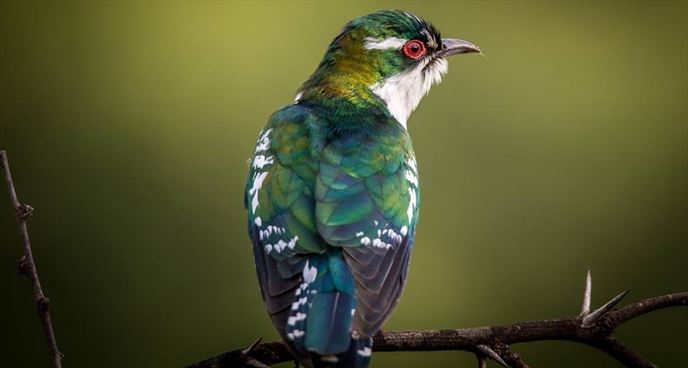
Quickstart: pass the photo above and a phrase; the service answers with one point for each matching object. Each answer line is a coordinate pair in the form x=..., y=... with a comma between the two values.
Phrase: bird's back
x=331, y=213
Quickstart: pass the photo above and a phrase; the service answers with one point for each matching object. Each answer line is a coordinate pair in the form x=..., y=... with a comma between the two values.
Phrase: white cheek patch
x=384, y=44
x=402, y=92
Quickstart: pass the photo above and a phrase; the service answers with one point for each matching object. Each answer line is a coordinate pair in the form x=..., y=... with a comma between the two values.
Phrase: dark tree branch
x=27, y=266
x=595, y=329
x=610, y=345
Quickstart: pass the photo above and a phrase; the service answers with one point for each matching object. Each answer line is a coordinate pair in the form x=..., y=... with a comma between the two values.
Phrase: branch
x=27, y=266
x=595, y=329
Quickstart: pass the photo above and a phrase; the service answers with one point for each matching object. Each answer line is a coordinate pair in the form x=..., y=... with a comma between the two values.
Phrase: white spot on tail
x=309, y=273
x=365, y=352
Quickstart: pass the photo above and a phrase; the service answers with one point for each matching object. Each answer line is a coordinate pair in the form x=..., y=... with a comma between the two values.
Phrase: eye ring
x=414, y=49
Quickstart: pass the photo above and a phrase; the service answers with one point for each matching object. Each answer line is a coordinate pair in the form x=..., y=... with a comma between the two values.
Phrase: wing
x=366, y=196
x=279, y=199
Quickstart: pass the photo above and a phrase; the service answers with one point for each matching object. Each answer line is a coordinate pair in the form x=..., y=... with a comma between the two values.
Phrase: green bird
x=332, y=193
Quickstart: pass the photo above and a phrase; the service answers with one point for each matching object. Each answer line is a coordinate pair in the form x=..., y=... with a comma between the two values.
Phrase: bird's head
x=390, y=56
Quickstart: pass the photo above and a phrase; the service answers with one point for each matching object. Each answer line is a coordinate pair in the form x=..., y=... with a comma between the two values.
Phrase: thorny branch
x=27, y=265
x=593, y=328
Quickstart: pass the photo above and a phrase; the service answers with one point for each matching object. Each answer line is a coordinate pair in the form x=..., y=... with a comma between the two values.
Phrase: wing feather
x=367, y=204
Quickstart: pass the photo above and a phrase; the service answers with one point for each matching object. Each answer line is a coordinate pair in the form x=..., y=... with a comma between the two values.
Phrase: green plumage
x=332, y=191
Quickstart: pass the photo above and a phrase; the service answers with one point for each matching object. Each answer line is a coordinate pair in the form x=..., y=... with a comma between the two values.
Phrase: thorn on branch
x=247, y=360
x=251, y=346
x=587, y=293
x=512, y=359
x=591, y=318
x=488, y=352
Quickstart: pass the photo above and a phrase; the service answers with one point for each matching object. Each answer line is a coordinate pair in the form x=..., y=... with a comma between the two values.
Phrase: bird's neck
x=348, y=100
x=341, y=85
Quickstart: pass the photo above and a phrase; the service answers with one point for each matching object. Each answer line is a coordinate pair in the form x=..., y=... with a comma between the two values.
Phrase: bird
x=332, y=193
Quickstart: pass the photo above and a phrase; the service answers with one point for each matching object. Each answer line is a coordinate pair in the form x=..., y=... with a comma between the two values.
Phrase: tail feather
x=319, y=323
x=329, y=323
x=356, y=356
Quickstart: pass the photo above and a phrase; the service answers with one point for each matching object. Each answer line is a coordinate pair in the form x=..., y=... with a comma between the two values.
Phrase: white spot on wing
x=411, y=177
x=258, y=179
x=261, y=161
x=264, y=141
x=412, y=204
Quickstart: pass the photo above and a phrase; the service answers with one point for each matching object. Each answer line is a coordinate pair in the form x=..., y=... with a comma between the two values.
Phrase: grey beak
x=454, y=46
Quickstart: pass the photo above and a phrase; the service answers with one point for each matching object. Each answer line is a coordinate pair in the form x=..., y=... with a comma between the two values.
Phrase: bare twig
x=27, y=266
x=493, y=342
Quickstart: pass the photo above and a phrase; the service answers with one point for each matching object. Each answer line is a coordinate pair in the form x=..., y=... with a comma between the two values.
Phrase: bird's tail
x=319, y=322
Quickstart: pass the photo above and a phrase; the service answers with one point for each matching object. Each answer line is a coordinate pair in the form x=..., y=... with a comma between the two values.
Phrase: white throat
x=402, y=92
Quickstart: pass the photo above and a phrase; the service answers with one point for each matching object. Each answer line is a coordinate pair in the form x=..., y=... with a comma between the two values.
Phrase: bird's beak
x=454, y=46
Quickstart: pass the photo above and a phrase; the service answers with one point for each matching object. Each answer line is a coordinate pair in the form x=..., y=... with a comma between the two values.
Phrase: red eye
x=414, y=49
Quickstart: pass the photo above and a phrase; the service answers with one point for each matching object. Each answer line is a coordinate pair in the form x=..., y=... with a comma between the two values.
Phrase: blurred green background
x=128, y=126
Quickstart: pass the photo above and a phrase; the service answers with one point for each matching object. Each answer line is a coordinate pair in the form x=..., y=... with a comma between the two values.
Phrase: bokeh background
x=129, y=124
